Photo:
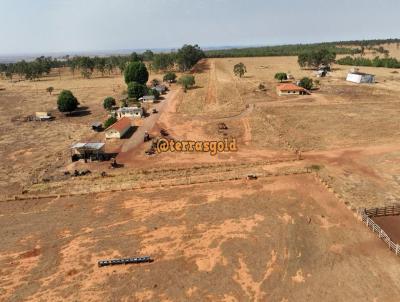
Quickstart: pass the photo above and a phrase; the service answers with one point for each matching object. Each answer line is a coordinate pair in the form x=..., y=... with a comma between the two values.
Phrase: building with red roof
x=118, y=129
x=290, y=88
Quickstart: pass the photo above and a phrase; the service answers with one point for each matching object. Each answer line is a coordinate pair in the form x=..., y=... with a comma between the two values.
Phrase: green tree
x=315, y=58
x=239, y=69
x=281, y=76
x=153, y=91
x=134, y=57
x=136, y=90
x=136, y=72
x=67, y=102
x=50, y=90
x=306, y=83
x=169, y=77
x=188, y=56
x=162, y=61
x=186, y=81
x=108, y=103
x=110, y=121
x=148, y=55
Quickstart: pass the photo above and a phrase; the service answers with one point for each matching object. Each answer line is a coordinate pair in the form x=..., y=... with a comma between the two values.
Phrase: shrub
x=306, y=83
x=169, y=77
x=111, y=120
x=281, y=76
x=186, y=81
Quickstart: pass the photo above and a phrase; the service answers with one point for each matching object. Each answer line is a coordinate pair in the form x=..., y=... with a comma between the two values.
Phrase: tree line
x=282, y=50
x=338, y=47
x=183, y=60
x=375, y=62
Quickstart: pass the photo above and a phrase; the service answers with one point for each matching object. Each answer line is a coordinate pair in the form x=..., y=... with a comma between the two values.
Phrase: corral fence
x=368, y=214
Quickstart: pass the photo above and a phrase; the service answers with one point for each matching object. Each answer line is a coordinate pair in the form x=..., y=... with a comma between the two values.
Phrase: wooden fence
x=387, y=211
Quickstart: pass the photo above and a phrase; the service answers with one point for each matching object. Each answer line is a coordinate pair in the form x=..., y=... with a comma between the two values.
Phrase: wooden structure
x=367, y=216
x=92, y=151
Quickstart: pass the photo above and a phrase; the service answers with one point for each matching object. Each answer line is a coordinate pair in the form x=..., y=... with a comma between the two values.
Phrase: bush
x=50, y=90
x=136, y=72
x=136, y=90
x=110, y=121
x=186, y=81
x=169, y=77
x=67, y=102
x=281, y=76
x=306, y=83
x=108, y=103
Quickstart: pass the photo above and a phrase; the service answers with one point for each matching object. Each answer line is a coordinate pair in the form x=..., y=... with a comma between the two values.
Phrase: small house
x=118, y=129
x=360, y=77
x=147, y=99
x=291, y=89
x=129, y=112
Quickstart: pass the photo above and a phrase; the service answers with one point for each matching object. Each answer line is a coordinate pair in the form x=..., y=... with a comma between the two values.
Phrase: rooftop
x=290, y=87
x=360, y=73
x=121, y=125
x=91, y=146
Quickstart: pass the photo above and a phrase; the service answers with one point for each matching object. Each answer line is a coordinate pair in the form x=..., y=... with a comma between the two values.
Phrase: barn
x=119, y=129
x=360, y=77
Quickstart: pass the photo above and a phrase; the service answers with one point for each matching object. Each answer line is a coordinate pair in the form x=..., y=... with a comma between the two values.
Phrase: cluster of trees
x=29, y=70
x=376, y=62
x=185, y=58
x=315, y=58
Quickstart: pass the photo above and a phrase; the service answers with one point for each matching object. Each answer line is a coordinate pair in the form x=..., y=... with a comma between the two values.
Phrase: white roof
x=95, y=146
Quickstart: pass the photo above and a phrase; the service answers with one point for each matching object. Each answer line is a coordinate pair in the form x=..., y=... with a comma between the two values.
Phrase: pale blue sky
x=43, y=26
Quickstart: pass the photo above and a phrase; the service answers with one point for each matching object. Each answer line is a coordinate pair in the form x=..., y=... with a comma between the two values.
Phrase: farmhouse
x=360, y=77
x=118, y=129
x=129, y=112
x=147, y=99
x=290, y=88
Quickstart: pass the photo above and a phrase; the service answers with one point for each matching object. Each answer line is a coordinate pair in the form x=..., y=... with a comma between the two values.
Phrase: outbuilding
x=147, y=99
x=291, y=89
x=360, y=77
x=129, y=112
x=92, y=151
x=118, y=129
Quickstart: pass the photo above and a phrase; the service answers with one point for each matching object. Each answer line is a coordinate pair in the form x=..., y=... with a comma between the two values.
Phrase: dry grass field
x=282, y=237
x=285, y=239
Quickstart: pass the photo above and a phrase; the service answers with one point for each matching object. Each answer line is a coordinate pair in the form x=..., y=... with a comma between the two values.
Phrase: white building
x=147, y=99
x=129, y=112
x=359, y=77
